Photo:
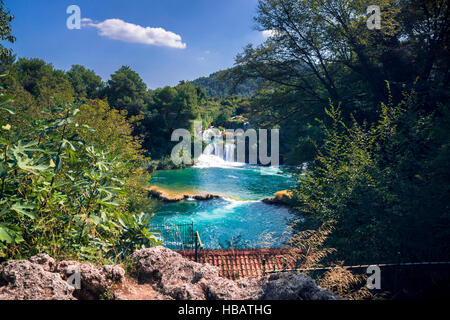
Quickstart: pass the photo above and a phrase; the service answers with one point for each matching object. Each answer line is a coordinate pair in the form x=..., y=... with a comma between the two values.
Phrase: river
x=239, y=216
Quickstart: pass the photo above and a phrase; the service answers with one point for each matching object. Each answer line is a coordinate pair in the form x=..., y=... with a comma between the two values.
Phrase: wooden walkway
x=239, y=263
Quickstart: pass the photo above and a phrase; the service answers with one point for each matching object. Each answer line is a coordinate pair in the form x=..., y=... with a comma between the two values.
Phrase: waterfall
x=217, y=153
x=229, y=152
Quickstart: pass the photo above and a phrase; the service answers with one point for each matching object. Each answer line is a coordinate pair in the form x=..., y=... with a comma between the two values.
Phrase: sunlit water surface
x=238, y=214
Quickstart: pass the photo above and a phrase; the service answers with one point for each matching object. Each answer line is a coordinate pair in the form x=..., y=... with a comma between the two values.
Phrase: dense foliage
x=379, y=176
x=217, y=85
x=64, y=190
x=71, y=176
x=384, y=190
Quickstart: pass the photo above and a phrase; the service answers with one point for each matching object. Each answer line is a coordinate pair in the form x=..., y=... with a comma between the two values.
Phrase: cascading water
x=217, y=153
x=239, y=212
x=229, y=152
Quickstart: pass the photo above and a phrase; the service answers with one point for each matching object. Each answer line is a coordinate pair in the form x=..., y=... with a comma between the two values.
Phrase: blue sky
x=213, y=32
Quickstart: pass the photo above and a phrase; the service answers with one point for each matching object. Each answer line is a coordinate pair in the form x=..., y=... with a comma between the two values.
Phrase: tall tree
x=325, y=49
x=171, y=108
x=43, y=82
x=85, y=82
x=127, y=91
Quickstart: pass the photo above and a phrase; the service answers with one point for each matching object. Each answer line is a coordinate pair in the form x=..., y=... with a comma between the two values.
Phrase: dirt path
x=130, y=289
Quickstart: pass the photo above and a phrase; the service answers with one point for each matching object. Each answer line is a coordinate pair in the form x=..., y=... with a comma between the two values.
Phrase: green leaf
x=10, y=234
x=24, y=209
x=108, y=204
x=4, y=234
x=27, y=165
x=96, y=219
x=8, y=110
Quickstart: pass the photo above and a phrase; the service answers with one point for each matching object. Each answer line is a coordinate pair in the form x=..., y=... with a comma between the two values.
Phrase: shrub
x=70, y=185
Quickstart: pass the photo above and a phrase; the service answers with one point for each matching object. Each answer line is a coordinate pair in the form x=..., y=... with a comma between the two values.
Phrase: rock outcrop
x=40, y=278
x=166, y=197
x=25, y=280
x=283, y=197
x=94, y=282
x=161, y=274
x=180, y=278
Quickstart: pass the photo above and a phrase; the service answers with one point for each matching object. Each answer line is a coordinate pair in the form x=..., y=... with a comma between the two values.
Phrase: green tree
x=171, y=108
x=382, y=186
x=29, y=72
x=5, y=29
x=127, y=91
x=54, y=89
x=85, y=82
x=321, y=50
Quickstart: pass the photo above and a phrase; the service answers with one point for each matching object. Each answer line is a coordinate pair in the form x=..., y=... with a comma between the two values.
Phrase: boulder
x=207, y=196
x=93, y=281
x=293, y=286
x=25, y=280
x=283, y=197
x=181, y=278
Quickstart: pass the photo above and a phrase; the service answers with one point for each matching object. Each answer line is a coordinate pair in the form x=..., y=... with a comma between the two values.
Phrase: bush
x=71, y=184
x=377, y=185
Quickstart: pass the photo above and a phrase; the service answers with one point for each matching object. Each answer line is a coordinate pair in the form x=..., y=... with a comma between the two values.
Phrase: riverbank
x=171, y=196
x=283, y=197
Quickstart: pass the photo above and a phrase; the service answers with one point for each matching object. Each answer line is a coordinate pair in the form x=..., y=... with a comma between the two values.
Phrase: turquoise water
x=238, y=214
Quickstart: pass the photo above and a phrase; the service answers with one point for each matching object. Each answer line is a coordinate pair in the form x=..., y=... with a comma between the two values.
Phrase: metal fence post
x=264, y=266
x=196, y=247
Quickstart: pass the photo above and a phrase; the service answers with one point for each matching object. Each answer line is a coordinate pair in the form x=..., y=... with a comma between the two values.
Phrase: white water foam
x=213, y=161
x=222, y=211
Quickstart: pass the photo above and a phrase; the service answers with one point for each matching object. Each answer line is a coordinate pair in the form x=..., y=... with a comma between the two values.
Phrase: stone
x=283, y=198
x=43, y=259
x=94, y=281
x=25, y=280
x=293, y=286
x=182, y=279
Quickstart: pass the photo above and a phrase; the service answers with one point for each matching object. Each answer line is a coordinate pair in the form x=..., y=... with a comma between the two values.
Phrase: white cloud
x=269, y=33
x=123, y=31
